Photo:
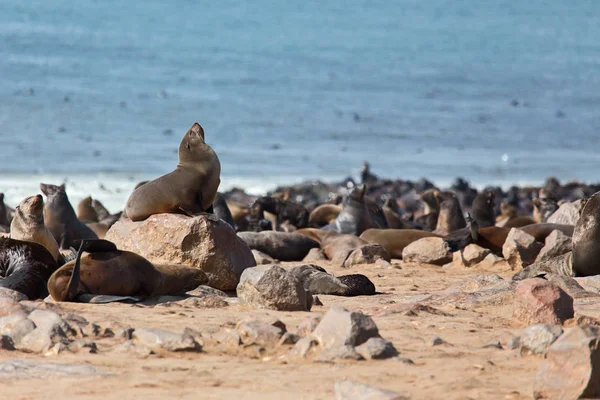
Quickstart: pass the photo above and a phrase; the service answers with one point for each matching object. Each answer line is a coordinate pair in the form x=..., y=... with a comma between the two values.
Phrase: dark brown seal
x=283, y=210
x=282, y=246
x=586, y=239
x=86, y=213
x=483, y=209
x=190, y=188
x=6, y=215
x=395, y=240
x=451, y=216
x=25, y=267
x=222, y=210
x=60, y=217
x=105, y=270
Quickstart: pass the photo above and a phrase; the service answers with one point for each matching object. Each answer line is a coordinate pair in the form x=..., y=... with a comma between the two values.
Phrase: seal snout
x=196, y=130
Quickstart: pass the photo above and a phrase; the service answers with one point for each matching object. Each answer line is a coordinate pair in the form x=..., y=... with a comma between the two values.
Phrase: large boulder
x=571, y=369
x=431, y=250
x=567, y=214
x=520, y=249
x=538, y=301
x=203, y=242
x=272, y=287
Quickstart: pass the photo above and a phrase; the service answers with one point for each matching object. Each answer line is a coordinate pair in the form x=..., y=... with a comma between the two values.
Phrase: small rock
x=557, y=244
x=157, y=339
x=535, y=339
x=9, y=306
x=470, y=256
x=260, y=333
x=520, y=249
x=493, y=344
x=567, y=214
x=366, y=254
x=138, y=349
x=430, y=250
x=22, y=369
x=79, y=345
x=406, y=361
x=307, y=326
x=302, y=348
x=204, y=290
x=339, y=353
x=538, y=301
x=6, y=343
x=348, y=390
x=16, y=326
x=315, y=255
x=436, y=341
x=377, y=349
x=200, y=302
x=270, y=286
x=340, y=327
x=55, y=350
x=262, y=258
x=228, y=338
x=571, y=368
x=288, y=338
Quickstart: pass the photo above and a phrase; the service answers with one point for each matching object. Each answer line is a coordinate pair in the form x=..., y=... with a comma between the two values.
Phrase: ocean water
x=99, y=93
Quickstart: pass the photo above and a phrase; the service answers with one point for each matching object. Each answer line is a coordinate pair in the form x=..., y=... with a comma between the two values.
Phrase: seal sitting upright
x=189, y=189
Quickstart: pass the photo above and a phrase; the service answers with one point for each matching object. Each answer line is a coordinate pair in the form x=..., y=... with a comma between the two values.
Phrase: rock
x=288, y=338
x=272, y=287
x=570, y=286
x=317, y=281
x=469, y=256
x=348, y=390
x=157, y=339
x=340, y=327
x=21, y=369
x=557, y=244
x=315, y=255
x=79, y=345
x=567, y=214
x=571, y=368
x=260, y=332
x=262, y=258
x=561, y=265
x=16, y=326
x=436, y=341
x=307, y=326
x=333, y=353
x=492, y=261
x=10, y=306
x=481, y=282
x=284, y=246
x=366, y=254
x=302, y=348
x=430, y=250
x=203, y=290
x=6, y=343
x=201, y=242
x=228, y=338
x=590, y=283
x=138, y=349
x=200, y=302
x=50, y=330
x=493, y=344
x=12, y=294
x=535, y=339
x=520, y=249
x=538, y=301
x=377, y=349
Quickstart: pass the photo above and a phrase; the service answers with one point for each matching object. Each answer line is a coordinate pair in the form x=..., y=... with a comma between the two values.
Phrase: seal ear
x=62, y=187
x=197, y=129
x=362, y=189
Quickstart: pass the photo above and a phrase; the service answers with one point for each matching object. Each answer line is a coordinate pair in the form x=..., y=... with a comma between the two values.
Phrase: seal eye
x=187, y=146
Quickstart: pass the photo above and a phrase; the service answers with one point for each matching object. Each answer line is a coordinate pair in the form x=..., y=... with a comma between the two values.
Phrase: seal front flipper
x=191, y=213
x=70, y=293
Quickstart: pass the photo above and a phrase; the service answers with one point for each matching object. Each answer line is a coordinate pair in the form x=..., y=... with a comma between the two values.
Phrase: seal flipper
x=96, y=245
x=70, y=292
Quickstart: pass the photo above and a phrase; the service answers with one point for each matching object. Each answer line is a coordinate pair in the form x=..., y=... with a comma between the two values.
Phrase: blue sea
x=99, y=93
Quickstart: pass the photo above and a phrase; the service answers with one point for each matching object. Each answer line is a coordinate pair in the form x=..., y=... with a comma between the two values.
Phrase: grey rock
x=259, y=332
x=366, y=254
x=493, y=344
x=314, y=255
x=307, y=326
x=50, y=330
x=557, y=244
x=340, y=327
x=571, y=368
x=377, y=349
x=88, y=346
x=561, y=265
x=567, y=214
x=12, y=294
x=589, y=283
x=348, y=390
x=9, y=306
x=520, y=249
x=302, y=348
x=272, y=287
x=130, y=347
x=157, y=339
x=430, y=250
x=21, y=369
x=436, y=341
x=228, y=338
x=16, y=326
x=262, y=258
x=535, y=339
x=339, y=353
x=204, y=290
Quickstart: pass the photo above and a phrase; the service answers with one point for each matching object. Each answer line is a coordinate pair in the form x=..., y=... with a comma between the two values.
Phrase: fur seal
x=6, y=215
x=395, y=240
x=104, y=216
x=483, y=209
x=391, y=212
x=543, y=208
x=190, y=188
x=358, y=285
x=28, y=224
x=86, y=213
x=323, y=215
x=105, y=270
x=451, y=217
x=431, y=210
x=222, y=210
x=333, y=242
x=586, y=239
x=282, y=246
x=357, y=216
x=60, y=217
x=282, y=210
x=25, y=267
x=519, y=222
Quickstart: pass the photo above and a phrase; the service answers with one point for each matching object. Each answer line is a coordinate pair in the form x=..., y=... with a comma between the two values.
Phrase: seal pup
x=586, y=238
x=60, y=217
x=190, y=188
x=25, y=267
x=451, y=217
x=28, y=224
x=483, y=209
x=105, y=270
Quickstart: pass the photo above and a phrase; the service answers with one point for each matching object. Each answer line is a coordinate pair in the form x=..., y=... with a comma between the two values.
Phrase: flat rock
x=262, y=258
x=260, y=332
x=377, y=349
x=520, y=249
x=560, y=265
x=202, y=242
x=333, y=353
x=315, y=255
x=204, y=290
x=157, y=339
x=340, y=327
x=538, y=301
x=348, y=390
x=137, y=349
x=481, y=282
x=557, y=244
x=567, y=214
x=430, y=250
x=571, y=368
x=366, y=254
x=22, y=369
x=535, y=339
x=272, y=287
x=16, y=326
